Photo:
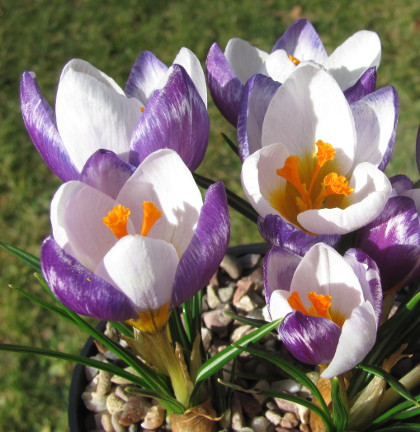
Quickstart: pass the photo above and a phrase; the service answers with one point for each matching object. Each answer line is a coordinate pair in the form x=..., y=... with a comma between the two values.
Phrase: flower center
x=321, y=306
x=312, y=193
x=152, y=320
x=117, y=219
x=294, y=60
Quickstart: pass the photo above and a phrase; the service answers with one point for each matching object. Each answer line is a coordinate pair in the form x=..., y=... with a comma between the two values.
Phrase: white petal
x=279, y=306
x=76, y=217
x=357, y=339
x=324, y=271
x=244, y=59
x=375, y=116
x=372, y=190
x=164, y=179
x=358, y=53
x=143, y=269
x=259, y=177
x=308, y=107
x=278, y=66
x=93, y=113
x=189, y=61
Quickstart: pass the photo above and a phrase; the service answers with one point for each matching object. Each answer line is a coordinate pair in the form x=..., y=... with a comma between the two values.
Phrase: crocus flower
x=316, y=161
x=331, y=305
x=393, y=238
x=160, y=106
x=353, y=64
x=134, y=252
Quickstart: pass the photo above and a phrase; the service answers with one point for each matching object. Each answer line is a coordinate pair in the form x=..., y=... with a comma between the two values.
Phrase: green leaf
x=235, y=201
x=401, y=427
x=248, y=321
x=390, y=380
x=293, y=371
x=212, y=365
x=177, y=407
x=395, y=411
x=339, y=412
x=26, y=257
x=289, y=397
x=52, y=308
x=231, y=144
x=123, y=328
x=170, y=403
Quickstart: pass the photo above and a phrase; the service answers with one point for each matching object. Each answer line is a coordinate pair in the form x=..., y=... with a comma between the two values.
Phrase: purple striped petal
x=418, y=150
x=278, y=232
x=376, y=118
x=105, y=171
x=40, y=122
x=310, y=339
x=79, y=289
x=365, y=84
x=225, y=88
x=303, y=42
x=401, y=183
x=368, y=274
x=279, y=267
x=256, y=97
x=393, y=241
x=207, y=247
x=176, y=118
x=145, y=76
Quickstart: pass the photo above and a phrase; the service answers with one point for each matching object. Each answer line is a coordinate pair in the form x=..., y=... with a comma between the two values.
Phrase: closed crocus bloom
x=133, y=249
x=353, y=64
x=330, y=304
x=92, y=112
x=316, y=161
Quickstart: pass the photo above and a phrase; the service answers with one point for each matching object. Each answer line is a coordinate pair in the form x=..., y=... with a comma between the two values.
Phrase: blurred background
x=42, y=35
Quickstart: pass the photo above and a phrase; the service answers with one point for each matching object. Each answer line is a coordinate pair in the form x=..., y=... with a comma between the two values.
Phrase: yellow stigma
x=312, y=183
x=294, y=60
x=153, y=320
x=321, y=306
x=117, y=219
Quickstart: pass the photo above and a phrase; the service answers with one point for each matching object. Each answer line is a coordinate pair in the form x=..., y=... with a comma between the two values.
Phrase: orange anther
x=294, y=60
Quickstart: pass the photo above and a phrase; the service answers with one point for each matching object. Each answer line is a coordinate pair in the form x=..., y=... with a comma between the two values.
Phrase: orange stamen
x=117, y=220
x=296, y=303
x=291, y=173
x=150, y=215
x=321, y=304
x=294, y=60
x=333, y=184
x=142, y=109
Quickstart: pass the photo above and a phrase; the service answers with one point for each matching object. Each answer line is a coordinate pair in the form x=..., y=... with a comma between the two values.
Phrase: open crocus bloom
x=356, y=59
x=315, y=160
x=133, y=254
x=393, y=238
x=331, y=305
x=93, y=112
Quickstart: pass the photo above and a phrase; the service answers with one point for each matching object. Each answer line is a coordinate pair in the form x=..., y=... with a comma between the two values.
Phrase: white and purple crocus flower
x=311, y=158
x=130, y=246
x=331, y=305
x=160, y=107
x=393, y=238
x=353, y=64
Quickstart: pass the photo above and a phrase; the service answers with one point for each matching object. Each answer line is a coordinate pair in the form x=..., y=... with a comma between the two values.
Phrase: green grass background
x=42, y=35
